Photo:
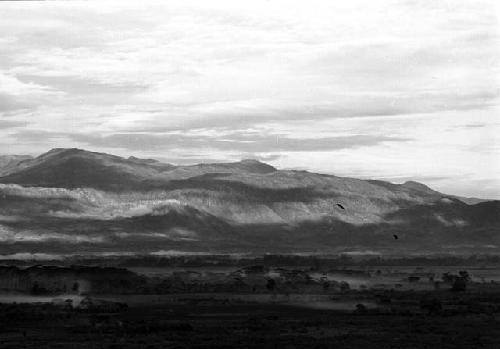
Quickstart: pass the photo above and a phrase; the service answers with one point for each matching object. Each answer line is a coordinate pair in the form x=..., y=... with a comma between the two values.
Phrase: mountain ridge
x=22, y=162
x=72, y=199
x=73, y=167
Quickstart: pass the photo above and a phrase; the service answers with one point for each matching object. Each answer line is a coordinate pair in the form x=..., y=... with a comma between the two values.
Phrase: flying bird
x=395, y=237
x=342, y=207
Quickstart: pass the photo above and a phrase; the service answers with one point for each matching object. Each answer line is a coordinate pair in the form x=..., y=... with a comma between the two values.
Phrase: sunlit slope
x=71, y=199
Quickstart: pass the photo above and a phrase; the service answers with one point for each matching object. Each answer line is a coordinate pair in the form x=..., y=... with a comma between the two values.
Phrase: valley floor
x=256, y=307
x=400, y=320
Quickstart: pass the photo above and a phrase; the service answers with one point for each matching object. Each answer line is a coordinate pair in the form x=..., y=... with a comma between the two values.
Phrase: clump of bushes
x=458, y=282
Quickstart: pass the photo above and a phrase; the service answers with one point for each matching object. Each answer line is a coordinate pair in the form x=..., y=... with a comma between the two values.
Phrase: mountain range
x=75, y=201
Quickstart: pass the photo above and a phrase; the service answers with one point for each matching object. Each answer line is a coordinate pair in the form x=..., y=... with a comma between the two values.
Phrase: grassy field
x=227, y=307
x=400, y=320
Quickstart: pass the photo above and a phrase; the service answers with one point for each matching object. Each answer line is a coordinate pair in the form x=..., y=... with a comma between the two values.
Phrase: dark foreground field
x=217, y=323
x=251, y=306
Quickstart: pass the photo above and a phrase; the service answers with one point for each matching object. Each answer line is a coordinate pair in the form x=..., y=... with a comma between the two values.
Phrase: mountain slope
x=11, y=163
x=75, y=168
x=75, y=200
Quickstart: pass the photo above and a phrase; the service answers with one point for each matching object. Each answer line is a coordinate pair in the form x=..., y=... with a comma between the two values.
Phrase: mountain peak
x=253, y=161
x=417, y=186
x=253, y=165
x=68, y=152
x=74, y=168
x=58, y=151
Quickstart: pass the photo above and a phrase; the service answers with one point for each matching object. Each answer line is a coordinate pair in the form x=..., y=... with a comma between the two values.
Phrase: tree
x=459, y=284
x=271, y=284
x=344, y=286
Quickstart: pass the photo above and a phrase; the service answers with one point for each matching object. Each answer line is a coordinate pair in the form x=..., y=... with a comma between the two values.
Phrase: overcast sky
x=371, y=89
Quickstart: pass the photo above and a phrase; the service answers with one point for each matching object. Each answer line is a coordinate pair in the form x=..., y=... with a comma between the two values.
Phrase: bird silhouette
x=395, y=237
x=342, y=207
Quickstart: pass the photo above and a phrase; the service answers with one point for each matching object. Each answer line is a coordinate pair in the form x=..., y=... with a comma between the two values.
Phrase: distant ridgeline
x=68, y=280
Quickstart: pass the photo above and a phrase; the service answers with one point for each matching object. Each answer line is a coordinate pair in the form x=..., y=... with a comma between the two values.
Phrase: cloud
x=11, y=104
x=93, y=91
x=16, y=95
x=26, y=256
x=4, y=124
x=209, y=60
x=10, y=236
x=475, y=125
x=249, y=143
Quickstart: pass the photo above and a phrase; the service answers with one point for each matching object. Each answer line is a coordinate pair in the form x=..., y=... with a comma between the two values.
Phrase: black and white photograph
x=250, y=174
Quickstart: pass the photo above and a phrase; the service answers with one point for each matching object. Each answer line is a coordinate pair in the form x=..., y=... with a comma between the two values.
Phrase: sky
x=394, y=90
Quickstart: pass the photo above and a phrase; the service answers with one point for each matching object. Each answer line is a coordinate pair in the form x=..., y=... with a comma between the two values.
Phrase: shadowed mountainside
x=76, y=168
x=71, y=200
x=9, y=163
